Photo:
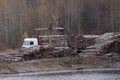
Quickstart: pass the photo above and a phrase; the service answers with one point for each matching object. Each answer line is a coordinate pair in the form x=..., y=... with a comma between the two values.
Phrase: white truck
x=54, y=40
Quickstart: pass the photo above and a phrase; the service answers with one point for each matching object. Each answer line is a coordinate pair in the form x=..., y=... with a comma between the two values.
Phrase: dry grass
x=68, y=61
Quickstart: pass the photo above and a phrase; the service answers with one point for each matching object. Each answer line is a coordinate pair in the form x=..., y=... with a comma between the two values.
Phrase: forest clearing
x=44, y=37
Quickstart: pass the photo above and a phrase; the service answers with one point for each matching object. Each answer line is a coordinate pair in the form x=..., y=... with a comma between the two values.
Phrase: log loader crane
x=38, y=39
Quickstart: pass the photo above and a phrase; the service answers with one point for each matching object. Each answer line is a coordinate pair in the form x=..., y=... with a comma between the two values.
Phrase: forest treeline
x=19, y=17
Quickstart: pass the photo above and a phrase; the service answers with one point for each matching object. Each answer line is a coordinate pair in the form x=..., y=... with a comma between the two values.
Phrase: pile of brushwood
x=114, y=46
x=48, y=52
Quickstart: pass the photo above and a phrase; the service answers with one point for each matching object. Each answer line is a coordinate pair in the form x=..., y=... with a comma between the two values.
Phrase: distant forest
x=19, y=17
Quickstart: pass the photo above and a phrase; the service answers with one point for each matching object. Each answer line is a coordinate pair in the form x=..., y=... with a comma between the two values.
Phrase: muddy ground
x=57, y=64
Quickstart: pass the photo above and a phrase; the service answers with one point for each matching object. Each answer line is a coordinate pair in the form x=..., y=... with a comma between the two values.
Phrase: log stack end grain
x=111, y=47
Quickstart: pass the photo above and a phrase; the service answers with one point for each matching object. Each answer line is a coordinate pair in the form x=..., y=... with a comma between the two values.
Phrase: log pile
x=80, y=42
x=48, y=52
x=84, y=41
x=106, y=37
x=114, y=46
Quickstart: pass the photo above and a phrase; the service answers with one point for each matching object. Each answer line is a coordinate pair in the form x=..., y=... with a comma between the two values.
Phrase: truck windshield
x=26, y=43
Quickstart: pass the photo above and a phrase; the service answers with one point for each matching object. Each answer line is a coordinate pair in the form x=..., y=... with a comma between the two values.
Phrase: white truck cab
x=30, y=42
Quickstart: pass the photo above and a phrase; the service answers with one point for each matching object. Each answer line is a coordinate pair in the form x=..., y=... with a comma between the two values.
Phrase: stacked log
x=48, y=52
x=114, y=46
